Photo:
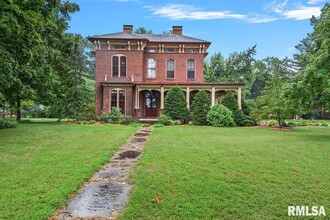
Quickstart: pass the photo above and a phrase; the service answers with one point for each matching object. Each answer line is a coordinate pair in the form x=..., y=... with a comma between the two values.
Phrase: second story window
x=191, y=69
x=170, y=68
x=119, y=66
x=151, y=68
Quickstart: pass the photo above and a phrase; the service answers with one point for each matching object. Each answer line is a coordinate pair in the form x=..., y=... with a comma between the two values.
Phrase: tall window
x=170, y=68
x=118, y=99
x=191, y=69
x=119, y=66
x=151, y=68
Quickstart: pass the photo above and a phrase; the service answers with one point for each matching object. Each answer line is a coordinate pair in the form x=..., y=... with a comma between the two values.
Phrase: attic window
x=119, y=47
x=151, y=50
x=170, y=50
x=191, y=50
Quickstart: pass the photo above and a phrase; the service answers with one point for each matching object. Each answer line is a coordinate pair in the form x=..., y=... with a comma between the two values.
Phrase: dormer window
x=118, y=66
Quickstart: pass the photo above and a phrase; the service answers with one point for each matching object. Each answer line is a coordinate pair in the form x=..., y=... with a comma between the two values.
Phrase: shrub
x=230, y=102
x=115, y=115
x=8, y=123
x=324, y=124
x=158, y=125
x=301, y=123
x=220, y=116
x=91, y=122
x=176, y=122
x=165, y=120
x=271, y=122
x=248, y=121
x=199, y=108
x=78, y=122
x=175, y=105
x=128, y=120
x=190, y=123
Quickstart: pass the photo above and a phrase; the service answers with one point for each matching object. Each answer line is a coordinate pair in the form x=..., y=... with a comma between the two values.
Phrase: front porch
x=149, y=98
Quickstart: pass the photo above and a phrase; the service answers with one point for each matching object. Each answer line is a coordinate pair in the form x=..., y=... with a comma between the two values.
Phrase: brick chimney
x=128, y=28
x=177, y=30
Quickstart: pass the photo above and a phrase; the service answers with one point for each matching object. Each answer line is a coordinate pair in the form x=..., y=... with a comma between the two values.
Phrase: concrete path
x=106, y=194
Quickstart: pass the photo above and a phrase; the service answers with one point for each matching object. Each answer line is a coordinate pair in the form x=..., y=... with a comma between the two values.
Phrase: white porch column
x=161, y=97
x=188, y=97
x=239, y=98
x=212, y=96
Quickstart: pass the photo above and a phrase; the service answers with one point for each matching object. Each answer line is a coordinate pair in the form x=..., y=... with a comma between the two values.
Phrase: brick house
x=135, y=71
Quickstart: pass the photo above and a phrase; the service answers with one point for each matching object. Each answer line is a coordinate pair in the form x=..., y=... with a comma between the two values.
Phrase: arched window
x=170, y=68
x=191, y=69
x=118, y=66
x=117, y=99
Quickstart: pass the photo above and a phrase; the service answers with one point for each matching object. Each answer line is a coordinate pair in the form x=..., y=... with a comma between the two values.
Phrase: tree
x=215, y=69
x=314, y=78
x=199, y=108
x=273, y=102
x=76, y=91
x=230, y=102
x=175, y=104
x=142, y=30
x=220, y=116
x=31, y=32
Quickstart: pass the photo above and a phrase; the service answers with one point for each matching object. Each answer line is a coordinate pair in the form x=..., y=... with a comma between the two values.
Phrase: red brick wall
x=134, y=63
x=180, y=67
x=129, y=99
x=136, y=67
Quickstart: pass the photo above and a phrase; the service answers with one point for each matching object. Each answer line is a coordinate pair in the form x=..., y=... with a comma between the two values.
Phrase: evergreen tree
x=175, y=104
x=220, y=116
x=199, y=108
x=230, y=102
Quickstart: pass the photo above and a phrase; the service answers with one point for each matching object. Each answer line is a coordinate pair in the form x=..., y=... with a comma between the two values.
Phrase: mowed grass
x=41, y=164
x=230, y=173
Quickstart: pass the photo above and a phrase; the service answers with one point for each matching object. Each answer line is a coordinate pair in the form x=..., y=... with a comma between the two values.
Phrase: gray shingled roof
x=171, y=38
x=150, y=37
x=120, y=35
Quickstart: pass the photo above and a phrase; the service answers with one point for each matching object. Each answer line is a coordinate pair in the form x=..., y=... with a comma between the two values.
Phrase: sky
x=274, y=26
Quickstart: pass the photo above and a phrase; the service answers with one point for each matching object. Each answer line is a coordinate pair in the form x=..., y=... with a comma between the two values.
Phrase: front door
x=151, y=103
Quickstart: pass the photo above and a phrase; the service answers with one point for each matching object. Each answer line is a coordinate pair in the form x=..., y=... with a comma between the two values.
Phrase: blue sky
x=275, y=26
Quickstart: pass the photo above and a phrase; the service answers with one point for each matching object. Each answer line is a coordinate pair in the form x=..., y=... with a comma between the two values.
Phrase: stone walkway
x=106, y=194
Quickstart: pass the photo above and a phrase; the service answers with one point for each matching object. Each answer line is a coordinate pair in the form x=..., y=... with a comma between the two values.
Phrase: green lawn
x=230, y=173
x=41, y=164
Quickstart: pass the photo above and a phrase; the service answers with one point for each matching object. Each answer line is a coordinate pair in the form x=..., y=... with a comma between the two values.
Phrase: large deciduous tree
x=30, y=35
x=314, y=79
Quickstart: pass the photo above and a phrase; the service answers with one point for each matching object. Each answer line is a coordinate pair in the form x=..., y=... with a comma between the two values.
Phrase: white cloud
x=297, y=12
x=281, y=9
x=189, y=12
x=314, y=2
x=302, y=13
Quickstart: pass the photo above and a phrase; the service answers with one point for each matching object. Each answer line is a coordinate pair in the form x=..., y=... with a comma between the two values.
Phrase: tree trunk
x=18, y=110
